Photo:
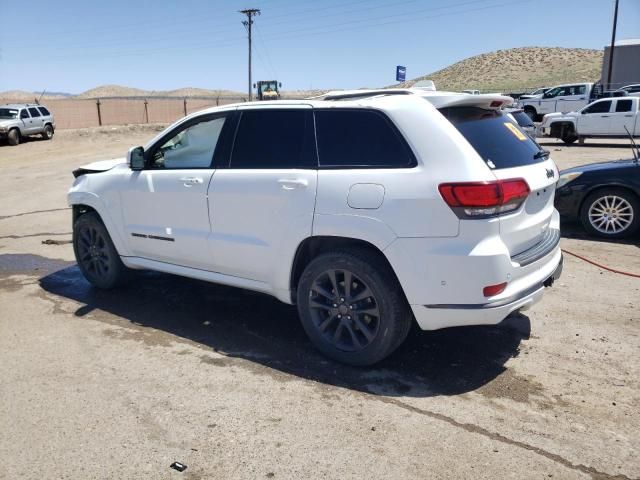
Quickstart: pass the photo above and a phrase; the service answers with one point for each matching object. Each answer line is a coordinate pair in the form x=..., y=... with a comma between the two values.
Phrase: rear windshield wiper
x=541, y=154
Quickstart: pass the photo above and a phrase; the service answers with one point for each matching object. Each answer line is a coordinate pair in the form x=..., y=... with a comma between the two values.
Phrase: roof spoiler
x=354, y=94
x=488, y=101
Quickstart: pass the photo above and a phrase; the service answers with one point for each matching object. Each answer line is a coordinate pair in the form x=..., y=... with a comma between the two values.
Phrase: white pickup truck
x=563, y=98
x=607, y=117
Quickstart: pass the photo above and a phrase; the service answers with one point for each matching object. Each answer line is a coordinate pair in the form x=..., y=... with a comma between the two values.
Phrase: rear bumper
x=433, y=317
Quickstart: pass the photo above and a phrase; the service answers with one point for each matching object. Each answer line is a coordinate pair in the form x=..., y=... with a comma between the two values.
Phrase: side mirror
x=135, y=158
x=280, y=85
x=254, y=85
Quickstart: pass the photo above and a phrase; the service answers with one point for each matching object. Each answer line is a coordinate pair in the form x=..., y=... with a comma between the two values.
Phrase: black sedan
x=604, y=197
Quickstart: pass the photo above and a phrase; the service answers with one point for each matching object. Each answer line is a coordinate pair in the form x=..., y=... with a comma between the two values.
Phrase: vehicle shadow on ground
x=23, y=140
x=262, y=330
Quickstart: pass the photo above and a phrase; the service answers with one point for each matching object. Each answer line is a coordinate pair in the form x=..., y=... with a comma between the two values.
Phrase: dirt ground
x=121, y=384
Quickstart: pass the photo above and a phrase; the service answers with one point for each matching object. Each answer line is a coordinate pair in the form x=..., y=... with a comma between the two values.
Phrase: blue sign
x=401, y=73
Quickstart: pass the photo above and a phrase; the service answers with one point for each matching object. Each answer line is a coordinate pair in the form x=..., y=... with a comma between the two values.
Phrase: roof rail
x=351, y=94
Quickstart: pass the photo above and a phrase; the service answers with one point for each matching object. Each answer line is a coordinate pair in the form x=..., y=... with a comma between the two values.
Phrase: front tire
x=531, y=112
x=352, y=307
x=569, y=138
x=611, y=213
x=13, y=137
x=95, y=253
x=47, y=133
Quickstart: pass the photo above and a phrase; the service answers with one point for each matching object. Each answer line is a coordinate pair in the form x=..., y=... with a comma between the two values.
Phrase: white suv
x=365, y=212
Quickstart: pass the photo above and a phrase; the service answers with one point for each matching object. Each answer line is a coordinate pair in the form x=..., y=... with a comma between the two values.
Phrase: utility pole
x=250, y=13
x=613, y=41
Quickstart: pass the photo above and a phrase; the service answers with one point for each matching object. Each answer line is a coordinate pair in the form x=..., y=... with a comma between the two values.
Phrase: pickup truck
x=607, y=117
x=562, y=98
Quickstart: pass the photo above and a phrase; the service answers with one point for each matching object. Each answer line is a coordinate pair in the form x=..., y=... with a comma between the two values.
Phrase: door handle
x=292, y=184
x=190, y=181
x=604, y=116
x=629, y=116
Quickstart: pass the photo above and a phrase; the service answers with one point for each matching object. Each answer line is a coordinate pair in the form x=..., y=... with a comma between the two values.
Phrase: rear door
x=37, y=122
x=623, y=115
x=511, y=154
x=261, y=206
x=595, y=119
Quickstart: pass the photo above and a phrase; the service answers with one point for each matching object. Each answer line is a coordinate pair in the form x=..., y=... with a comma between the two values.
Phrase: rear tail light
x=491, y=290
x=485, y=199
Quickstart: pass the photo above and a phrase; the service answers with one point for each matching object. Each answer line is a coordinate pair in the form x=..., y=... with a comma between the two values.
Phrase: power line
x=326, y=29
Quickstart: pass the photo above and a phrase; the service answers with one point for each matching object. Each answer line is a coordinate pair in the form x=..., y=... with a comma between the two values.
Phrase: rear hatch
x=511, y=154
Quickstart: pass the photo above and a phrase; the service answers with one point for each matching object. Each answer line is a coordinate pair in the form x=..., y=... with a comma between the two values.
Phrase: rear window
x=499, y=142
x=523, y=119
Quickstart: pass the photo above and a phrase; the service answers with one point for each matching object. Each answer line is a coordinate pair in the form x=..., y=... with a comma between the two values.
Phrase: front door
x=166, y=216
x=262, y=205
x=595, y=119
x=27, y=122
x=572, y=99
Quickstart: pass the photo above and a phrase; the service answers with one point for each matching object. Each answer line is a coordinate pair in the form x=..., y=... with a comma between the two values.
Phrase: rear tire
x=13, y=137
x=95, y=253
x=611, y=213
x=352, y=307
x=47, y=133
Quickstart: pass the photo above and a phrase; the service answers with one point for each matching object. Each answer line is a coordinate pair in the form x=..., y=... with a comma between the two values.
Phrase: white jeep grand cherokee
x=366, y=212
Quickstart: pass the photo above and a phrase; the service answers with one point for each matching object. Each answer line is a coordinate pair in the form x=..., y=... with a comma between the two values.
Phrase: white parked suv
x=366, y=212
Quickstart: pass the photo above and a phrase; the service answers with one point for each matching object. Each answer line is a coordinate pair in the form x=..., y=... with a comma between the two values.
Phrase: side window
x=44, y=111
x=580, y=90
x=624, y=106
x=34, y=112
x=360, y=138
x=190, y=147
x=554, y=92
x=598, y=107
x=24, y=113
x=273, y=139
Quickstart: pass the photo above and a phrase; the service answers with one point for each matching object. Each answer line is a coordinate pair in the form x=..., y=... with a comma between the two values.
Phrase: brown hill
x=518, y=69
x=121, y=91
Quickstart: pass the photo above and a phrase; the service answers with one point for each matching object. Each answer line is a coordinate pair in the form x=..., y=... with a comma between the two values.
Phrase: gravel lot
x=121, y=384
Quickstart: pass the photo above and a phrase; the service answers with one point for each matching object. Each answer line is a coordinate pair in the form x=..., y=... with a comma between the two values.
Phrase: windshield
x=269, y=87
x=8, y=113
x=495, y=137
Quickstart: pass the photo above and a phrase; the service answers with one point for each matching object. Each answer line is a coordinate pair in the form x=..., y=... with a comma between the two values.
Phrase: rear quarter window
x=499, y=142
x=360, y=139
x=44, y=111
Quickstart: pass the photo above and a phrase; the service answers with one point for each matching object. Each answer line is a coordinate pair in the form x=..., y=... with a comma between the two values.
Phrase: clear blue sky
x=74, y=45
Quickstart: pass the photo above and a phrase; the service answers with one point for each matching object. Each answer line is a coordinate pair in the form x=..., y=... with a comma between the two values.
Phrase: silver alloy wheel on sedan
x=611, y=214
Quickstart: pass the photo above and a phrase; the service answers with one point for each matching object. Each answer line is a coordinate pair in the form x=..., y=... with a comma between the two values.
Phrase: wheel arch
x=312, y=247
x=557, y=129
x=82, y=203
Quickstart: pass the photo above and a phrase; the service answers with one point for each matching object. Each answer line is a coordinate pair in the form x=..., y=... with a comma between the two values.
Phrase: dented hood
x=99, y=166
